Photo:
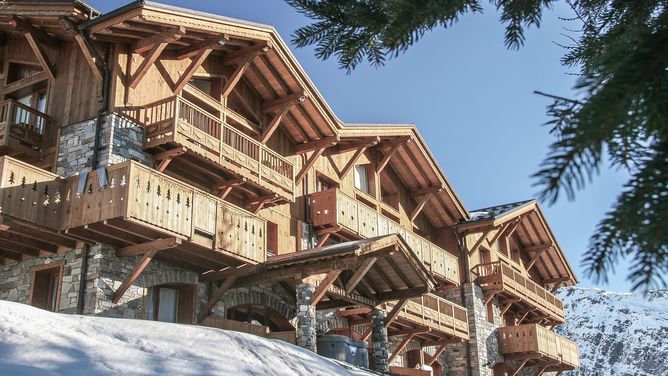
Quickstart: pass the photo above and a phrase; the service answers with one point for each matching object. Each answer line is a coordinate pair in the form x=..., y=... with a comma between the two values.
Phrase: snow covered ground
x=37, y=342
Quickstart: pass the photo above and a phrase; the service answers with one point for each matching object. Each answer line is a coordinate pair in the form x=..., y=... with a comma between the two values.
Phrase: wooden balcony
x=500, y=278
x=21, y=130
x=539, y=347
x=133, y=204
x=175, y=122
x=333, y=208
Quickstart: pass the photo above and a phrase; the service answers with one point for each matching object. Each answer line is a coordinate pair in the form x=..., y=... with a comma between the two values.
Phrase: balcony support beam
x=480, y=241
x=537, y=256
x=41, y=56
x=215, y=297
x=519, y=368
x=420, y=205
x=359, y=274
x=194, y=50
x=244, y=62
x=273, y=125
x=401, y=347
x=166, y=157
x=324, y=285
x=223, y=189
x=130, y=279
x=507, y=306
x=386, y=159
x=94, y=65
x=430, y=360
x=196, y=62
x=142, y=248
x=296, y=98
x=541, y=371
x=309, y=163
x=352, y=161
x=394, y=313
x=368, y=142
x=506, y=230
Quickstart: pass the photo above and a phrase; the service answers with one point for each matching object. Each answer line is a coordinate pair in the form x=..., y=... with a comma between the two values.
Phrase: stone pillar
x=306, y=320
x=484, y=344
x=380, y=344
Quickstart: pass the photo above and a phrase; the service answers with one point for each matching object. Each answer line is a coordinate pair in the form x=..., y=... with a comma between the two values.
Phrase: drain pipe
x=464, y=256
x=307, y=205
x=94, y=161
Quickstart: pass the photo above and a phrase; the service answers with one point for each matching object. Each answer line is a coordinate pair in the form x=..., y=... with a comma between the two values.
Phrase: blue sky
x=472, y=100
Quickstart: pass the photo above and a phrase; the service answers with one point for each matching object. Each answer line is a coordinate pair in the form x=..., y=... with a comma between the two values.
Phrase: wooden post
x=141, y=265
x=215, y=297
x=320, y=291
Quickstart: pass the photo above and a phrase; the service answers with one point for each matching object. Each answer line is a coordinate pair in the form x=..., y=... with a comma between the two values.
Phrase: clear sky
x=472, y=100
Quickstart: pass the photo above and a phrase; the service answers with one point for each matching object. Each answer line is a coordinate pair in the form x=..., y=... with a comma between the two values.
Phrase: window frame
x=57, y=267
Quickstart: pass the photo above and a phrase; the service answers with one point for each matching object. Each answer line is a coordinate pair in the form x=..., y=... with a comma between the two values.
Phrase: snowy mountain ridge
x=618, y=334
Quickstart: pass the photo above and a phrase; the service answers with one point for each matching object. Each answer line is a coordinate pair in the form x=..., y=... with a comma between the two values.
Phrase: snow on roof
x=497, y=211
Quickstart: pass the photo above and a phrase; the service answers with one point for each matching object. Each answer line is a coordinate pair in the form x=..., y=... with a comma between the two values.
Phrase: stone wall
x=121, y=139
x=16, y=279
x=106, y=272
x=484, y=343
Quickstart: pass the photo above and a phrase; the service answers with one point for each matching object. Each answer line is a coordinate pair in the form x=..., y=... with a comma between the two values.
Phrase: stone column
x=484, y=344
x=306, y=321
x=380, y=345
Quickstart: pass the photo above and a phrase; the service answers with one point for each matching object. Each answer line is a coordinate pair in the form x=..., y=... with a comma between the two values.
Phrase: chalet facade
x=164, y=164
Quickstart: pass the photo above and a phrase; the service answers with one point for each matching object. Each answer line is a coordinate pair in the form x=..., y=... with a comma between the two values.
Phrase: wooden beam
x=155, y=245
x=540, y=371
x=397, y=270
x=279, y=103
x=324, y=142
x=354, y=298
x=386, y=159
x=130, y=279
x=273, y=125
x=245, y=61
x=41, y=56
x=88, y=56
x=321, y=289
x=401, y=347
x=535, y=258
x=192, y=68
x=426, y=190
x=550, y=281
x=366, y=334
x=39, y=34
x=145, y=65
x=480, y=241
x=506, y=230
x=394, y=313
x=523, y=317
x=429, y=361
x=215, y=297
x=167, y=36
x=352, y=161
x=323, y=239
x=309, y=163
x=194, y=50
x=354, y=311
x=519, y=368
x=171, y=153
x=359, y=274
x=368, y=142
x=242, y=54
x=421, y=203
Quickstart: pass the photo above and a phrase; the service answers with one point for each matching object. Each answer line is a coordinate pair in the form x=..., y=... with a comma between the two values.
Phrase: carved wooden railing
x=500, y=276
x=436, y=313
x=333, y=207
x=533, y=339
x=21, y=124
x=177, y=120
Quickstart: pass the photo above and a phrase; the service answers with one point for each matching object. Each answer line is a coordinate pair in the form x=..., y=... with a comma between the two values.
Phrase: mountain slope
x=618, y=334
x=37, y=342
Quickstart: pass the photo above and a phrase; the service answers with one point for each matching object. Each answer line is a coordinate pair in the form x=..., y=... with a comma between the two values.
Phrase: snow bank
x=37, y=342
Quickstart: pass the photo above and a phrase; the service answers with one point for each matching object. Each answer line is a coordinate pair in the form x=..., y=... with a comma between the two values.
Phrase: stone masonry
x=306, y=318
x=380, y=346
x=121, y=139
x=484, y=343
x=16, y=279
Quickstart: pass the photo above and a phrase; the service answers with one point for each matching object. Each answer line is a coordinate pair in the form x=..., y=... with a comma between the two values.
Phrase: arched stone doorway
x=260, y=315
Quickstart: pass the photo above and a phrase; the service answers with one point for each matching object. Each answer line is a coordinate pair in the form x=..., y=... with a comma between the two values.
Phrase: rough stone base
x=380, y=350
x=306, y=320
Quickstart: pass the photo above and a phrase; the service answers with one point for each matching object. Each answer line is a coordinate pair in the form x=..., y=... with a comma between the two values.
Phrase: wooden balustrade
x=436, y=313
x=176, y=120
x=134, y=193
x=334, y=208
x=530, y=340
x=499, y=276
x=21, y=127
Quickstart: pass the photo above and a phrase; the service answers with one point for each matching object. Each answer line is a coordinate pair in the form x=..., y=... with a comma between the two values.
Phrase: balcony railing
x=133, y=193
x=176, y=120
x=435, y=313
x=334, y=208
x=21, y=127
x=499, y=276
x=527, y=341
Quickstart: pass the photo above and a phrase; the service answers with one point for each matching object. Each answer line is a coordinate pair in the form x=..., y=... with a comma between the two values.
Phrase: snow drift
x=37, y=342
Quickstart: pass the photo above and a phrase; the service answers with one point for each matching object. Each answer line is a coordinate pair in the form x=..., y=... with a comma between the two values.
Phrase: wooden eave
x=416, y=167
x=45, y=10
x=533, y=231
x=397, y=273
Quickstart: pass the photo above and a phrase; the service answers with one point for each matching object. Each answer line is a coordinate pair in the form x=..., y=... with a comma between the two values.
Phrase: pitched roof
x=497, y=211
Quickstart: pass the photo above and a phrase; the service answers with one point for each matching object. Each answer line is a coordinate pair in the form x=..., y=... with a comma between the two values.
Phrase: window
x=324, y=182
x=45, y=291
x=361, y=178
x=203, y=84
x=171, y=303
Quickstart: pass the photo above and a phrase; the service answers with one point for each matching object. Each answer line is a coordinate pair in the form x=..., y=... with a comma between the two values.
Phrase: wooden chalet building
x=165, y=164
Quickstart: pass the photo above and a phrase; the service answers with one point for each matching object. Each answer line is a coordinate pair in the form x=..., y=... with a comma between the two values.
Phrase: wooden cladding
x=532, y=340
x=134, y=193
x=433, y=312
x=21, y=128
x=176, y=120
x=498, y=277
x=334, y=208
